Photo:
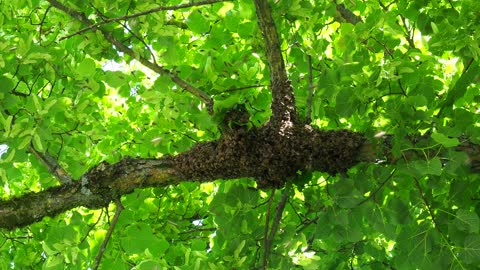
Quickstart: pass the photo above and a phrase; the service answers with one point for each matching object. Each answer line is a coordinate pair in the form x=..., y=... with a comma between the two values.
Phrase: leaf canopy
x=409, y=68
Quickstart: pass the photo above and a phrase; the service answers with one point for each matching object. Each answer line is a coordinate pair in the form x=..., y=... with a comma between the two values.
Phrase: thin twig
x=141, y=40
x=208, y=229
x=266, y=240
x=52, y=165
x=427, y=205
x=124, y=25
x=40, y=28
x=305, y=223
x=308, y=114
x=270, y=233
x=374, y=193
x=451, y=4
x=279, y=211
x=91, y=227
x=142, y=13
x=434, y=221
x=408, y=32
x=243, y=88
x=118, y=211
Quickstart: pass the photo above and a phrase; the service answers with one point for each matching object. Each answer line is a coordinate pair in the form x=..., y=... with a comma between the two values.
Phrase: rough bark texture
x=283, y=100
x=95, y=189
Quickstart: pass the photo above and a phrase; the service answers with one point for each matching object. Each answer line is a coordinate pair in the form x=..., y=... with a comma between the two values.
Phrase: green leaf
x=197, y=23
x=9, y=157
x=7, y=124
x=444, y=140
x=149, y=264
x=140, y=237
x=345, y=103
x=86, y=68
x=472, y=249
x=432, y=166
x=6, y=84
x=467, y=221
x=397, y=212
x=417, y=101
x=3, y=175
x=209, y=71
x=115, y=78
x=37, y=104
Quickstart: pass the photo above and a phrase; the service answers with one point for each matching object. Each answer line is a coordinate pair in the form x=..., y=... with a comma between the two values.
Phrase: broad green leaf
x=417, y=101
x=432, y=166
x=86, y=68
x=149, y=264
x=6, y=84
x=115, y=78
x=139, y=237
x=209, y=71
x=444, y=140
x=197, y=23
x=467, y=221
x=472, y=249
x=9, y=156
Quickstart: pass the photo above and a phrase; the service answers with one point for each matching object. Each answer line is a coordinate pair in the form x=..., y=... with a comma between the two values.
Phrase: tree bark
x=284, y=113
x=261, y=153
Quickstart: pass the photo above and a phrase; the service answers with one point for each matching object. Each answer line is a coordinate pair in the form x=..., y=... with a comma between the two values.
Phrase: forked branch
x=52, y=165
x=283, y=101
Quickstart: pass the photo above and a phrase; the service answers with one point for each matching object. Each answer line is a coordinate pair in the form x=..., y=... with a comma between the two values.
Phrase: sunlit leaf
x=444, y=140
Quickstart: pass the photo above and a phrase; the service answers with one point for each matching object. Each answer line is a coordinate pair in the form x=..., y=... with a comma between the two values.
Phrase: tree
x=239, y=135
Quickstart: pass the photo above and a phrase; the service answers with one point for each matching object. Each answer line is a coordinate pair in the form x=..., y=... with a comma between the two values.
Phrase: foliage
x=409, y=68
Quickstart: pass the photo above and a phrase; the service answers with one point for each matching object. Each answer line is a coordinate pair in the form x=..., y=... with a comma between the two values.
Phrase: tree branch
x=125, y=49
x=260, y=153
x=52, y=165
x=96, y=189
x=311, y=87
x=347, y=15
x=270, y=235
x=283, y=100
x=279, y=211
x=102, y=248
x=266, y=239
x=142, y=13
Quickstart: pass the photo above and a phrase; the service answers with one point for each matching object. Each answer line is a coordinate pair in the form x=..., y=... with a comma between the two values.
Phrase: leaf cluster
x=409, y=68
